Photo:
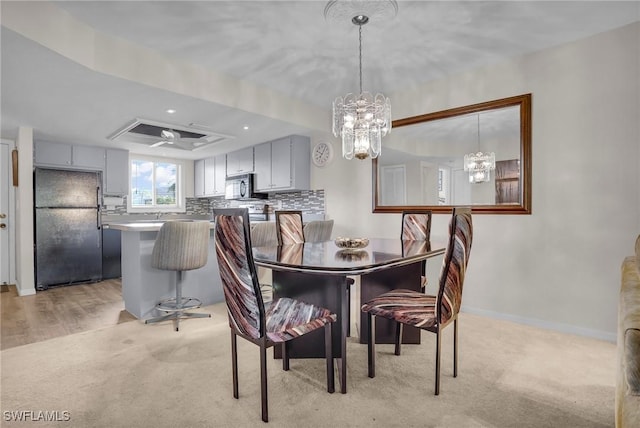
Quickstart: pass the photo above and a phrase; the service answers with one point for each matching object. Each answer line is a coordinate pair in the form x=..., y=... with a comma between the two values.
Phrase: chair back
x=245, y=306
x=263, y=234
x=181, y=245
x=416, y=225
x=454, y=265
x=318, y=230
x=289, y=227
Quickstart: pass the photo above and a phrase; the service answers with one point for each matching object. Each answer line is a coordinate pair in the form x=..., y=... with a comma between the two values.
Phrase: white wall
x=25, y=277
x=560, y=266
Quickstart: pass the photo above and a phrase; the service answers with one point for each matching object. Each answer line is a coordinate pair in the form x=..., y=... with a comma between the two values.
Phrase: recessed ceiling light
x=245, y=127
x=171, y=111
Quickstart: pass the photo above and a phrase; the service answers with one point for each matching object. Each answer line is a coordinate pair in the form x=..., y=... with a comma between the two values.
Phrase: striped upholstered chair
x=416, y=226
x=431, y=313
x=289, y=227
x=263, y=324
x=291, y=230
x=180, y=246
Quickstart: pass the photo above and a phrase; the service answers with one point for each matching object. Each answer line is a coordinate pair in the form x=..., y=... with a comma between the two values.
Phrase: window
x=155, y=186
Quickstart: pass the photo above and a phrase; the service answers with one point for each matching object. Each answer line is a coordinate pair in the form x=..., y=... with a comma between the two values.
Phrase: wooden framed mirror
x=422, y=161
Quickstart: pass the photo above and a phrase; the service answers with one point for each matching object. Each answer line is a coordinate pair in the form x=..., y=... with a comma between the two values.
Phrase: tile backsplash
x=308, y=201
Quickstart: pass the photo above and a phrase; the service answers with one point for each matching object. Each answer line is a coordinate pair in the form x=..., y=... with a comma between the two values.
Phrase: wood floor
x=59, y=311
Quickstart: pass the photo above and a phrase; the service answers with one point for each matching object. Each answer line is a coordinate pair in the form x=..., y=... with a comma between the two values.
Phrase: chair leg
x=349, y=306
x=438, y=343
x=285, y=356
x=371, y=337
x=263, y=382
x=328, y=351
x=455, y=347
x=234, y=363
x=398, y=337
x=178, y=298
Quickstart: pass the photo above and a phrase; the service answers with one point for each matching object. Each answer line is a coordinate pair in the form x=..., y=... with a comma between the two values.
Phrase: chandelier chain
x=360, y=49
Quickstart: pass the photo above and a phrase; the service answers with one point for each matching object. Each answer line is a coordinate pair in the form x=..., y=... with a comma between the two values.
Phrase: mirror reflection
x=476, y=155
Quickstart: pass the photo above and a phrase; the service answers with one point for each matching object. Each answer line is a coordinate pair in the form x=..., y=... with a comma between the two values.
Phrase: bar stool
x=180, y=246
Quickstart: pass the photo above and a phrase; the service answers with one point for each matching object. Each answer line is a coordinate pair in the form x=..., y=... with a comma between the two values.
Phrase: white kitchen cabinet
x=67, y=155
x=283, y=164
x=88, y=157
x=209, y=176
x=240, y=161
x=45, y=153
x=220, y=173
x=262, y=155
x=116, y=172
x=198, y=178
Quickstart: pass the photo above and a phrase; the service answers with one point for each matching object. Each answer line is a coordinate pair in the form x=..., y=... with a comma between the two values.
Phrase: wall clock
x=322, y=154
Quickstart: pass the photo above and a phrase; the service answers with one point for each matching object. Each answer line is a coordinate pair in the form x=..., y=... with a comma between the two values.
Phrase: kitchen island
x=143, y=286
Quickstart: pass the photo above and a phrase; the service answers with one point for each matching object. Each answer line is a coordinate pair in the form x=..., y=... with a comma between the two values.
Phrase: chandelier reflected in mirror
x=361, y=120
x=479, y=164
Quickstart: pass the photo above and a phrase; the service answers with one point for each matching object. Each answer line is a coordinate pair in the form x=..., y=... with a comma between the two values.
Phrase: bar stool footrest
x=171, y=305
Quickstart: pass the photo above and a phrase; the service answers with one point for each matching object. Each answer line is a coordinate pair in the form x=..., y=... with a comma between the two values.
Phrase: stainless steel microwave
x=240, y=187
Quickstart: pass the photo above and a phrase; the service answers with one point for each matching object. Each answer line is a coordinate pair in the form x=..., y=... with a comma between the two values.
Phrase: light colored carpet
x=136, y=375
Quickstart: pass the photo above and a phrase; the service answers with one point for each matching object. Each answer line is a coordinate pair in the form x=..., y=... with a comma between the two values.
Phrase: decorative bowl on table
x=351, y=243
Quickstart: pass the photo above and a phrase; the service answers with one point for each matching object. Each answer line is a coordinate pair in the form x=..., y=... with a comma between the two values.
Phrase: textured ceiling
x=286, y=46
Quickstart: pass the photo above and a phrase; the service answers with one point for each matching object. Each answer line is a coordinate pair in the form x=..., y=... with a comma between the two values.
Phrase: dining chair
x=313, y=231
x=428, y=312
x=263, y=233
x=318, y=230
x=265, y=325
x=289, y=227
x=180, y=246
x=416, y=226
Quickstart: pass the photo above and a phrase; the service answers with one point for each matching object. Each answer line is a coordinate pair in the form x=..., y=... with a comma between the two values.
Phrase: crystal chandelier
x=361, y=120
x=479, y=164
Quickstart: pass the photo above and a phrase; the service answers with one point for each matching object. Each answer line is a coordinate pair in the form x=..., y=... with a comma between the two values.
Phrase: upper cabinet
x=283, y=164
x=51, y=153
x=220, y=174
x=198, y=178
x=88, y=157
x=210, y=176
x=67, y=155
x=116, y=174
x=240, y=161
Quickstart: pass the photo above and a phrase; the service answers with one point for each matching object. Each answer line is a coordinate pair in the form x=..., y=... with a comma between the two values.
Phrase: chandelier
x=361, y=120
x=479, y=164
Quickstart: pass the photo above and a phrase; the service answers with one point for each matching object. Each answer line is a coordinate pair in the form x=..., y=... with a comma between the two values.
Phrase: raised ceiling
x=285, y=50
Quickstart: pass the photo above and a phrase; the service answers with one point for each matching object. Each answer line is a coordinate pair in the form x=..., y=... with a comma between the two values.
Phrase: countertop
x=143, y=226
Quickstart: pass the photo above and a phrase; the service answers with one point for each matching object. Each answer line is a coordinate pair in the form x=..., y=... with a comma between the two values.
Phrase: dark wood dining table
x=317, y=272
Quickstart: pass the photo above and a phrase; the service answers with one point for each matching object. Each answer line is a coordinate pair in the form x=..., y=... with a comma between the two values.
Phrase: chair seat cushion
x=288, y=318
x=404, y=306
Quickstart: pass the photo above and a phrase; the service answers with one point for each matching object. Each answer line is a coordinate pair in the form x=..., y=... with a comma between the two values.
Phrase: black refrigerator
x=68, y=239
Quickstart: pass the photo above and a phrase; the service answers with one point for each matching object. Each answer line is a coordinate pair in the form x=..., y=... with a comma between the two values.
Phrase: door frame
x=8, y=252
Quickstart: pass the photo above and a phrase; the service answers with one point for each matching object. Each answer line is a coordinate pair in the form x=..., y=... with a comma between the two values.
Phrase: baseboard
x=25, y=292
x=563, y=328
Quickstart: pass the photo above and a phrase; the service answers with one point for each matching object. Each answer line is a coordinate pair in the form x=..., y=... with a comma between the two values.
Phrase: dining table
x=317, y=273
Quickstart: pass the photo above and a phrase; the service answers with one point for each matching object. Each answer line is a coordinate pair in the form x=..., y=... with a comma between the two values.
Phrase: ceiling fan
x=172, y=137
